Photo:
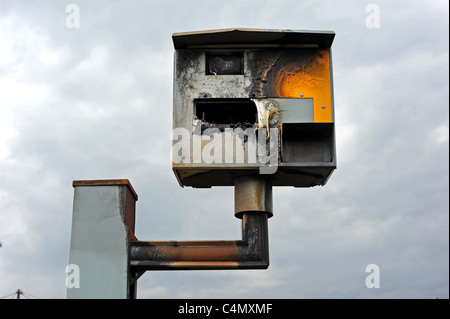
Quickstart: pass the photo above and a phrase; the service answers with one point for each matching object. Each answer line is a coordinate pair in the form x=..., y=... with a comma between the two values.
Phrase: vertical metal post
x=102, y=229
x=253, y=193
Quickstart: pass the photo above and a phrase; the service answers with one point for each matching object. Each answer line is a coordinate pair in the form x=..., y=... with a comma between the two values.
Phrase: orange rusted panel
x=312, y=80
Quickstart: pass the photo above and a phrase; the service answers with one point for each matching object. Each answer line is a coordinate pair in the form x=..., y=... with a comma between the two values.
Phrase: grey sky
x=95, y=102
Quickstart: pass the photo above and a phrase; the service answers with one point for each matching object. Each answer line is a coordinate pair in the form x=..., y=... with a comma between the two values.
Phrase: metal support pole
x=253, y=194
x=110, y=259
x=102, y=229
x=253, y=198
x=252, y=252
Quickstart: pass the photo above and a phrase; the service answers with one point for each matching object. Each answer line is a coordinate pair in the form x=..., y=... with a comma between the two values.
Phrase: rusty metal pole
x=253, y=204
x=253, y=193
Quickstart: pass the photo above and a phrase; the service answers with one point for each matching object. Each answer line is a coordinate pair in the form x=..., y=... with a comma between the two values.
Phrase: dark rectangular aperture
x=225, y=111
x=307, y=142
x=225, y=64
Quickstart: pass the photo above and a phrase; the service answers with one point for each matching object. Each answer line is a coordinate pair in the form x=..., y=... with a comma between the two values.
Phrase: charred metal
x=253, y=79
x=252, y=252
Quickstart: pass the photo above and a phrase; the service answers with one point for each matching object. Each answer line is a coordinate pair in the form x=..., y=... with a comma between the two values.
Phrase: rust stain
x=204, y=265
x=174, y=251
x=249, y=253
x=209, y=254
x=192, y=253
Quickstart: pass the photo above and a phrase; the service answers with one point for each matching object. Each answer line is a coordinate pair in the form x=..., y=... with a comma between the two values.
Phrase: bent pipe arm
x=252, y=252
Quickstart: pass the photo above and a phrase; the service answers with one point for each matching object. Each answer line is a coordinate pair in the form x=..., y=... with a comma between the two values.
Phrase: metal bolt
x=301, y=94
x=323, y=106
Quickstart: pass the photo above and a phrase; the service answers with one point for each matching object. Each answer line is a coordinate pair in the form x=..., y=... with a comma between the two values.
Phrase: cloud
x=96, y=102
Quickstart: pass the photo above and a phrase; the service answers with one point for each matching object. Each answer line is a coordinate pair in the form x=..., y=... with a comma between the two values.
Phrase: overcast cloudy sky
x=95, y=102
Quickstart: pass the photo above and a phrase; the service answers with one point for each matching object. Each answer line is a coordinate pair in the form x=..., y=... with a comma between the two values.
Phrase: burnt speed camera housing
x=253, y=101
